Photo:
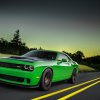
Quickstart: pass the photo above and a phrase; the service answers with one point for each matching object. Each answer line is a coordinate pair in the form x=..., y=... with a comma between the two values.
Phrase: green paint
x=61, y=70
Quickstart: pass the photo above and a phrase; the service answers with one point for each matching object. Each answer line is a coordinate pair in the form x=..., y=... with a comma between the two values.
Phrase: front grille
x=11, y=78
x=11, y=65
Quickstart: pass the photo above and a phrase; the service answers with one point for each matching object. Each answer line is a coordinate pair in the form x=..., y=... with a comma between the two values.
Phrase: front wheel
x=46, y=80
x=73, y=78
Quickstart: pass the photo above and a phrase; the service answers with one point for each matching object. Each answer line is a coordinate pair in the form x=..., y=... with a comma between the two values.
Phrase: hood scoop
x=27, y=59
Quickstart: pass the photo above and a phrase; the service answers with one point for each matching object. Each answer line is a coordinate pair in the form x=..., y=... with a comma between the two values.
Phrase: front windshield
x=47, y=55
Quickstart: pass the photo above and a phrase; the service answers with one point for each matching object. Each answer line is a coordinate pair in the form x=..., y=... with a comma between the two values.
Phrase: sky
x=68, y=25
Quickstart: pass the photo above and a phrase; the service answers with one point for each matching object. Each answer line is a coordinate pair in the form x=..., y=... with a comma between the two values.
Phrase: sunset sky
x=69, y=25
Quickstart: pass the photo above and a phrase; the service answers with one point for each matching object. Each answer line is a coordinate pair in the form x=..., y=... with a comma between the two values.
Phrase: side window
x=69, y=59
x=62, y=56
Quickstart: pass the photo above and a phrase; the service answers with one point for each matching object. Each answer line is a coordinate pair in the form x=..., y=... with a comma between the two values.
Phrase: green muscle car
x=38, y=68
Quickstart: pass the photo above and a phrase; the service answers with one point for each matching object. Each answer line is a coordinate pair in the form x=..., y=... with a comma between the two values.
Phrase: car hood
x=21, y=59
x=26, y=59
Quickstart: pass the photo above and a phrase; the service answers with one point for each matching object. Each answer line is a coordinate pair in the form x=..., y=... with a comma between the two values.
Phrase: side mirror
x=60, y=61
x=64, y=60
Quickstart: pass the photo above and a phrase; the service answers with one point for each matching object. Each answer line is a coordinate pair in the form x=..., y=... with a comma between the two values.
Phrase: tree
x=16, y=43
x=16, y=39
x=3, y=45
x=15, y=46
x=78, y=56
x=40, y=48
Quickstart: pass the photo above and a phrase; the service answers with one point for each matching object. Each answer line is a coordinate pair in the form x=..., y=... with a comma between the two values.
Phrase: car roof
x=49, y=51
x=53, y=51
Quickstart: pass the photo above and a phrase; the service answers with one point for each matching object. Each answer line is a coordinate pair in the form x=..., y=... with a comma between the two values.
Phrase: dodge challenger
x=38, y=68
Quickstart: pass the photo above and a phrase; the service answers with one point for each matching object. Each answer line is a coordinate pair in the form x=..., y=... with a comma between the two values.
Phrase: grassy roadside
x=5, y=55
x=84, y=68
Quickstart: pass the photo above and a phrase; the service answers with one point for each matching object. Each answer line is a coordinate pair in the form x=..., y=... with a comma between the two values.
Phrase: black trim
x=20, y=85
x=11, y=65
x=11, y=78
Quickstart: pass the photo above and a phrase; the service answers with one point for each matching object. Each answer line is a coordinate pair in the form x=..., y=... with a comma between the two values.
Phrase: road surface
x=86, y=88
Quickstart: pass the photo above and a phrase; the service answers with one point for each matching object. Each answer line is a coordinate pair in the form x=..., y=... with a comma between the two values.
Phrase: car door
x=65, y=67
x=58, y=68
x=71, y=66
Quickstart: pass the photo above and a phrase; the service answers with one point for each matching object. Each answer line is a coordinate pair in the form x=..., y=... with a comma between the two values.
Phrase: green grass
x=5, y=55
x=84, y=68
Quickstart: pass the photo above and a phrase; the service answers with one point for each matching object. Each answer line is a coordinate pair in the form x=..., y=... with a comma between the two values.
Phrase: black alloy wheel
x=46, y=80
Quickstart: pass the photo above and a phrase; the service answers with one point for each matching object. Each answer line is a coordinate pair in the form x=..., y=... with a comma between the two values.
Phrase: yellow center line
x=63, y=90
x=78, y=91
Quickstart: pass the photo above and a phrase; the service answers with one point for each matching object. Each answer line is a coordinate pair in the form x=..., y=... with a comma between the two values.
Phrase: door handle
x=67, y=63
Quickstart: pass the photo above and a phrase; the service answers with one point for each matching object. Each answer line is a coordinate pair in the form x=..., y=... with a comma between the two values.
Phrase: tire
x=73, y=78
x=46, y=80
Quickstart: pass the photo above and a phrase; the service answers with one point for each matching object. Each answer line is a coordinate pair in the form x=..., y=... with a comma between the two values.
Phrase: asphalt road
x=92, y=90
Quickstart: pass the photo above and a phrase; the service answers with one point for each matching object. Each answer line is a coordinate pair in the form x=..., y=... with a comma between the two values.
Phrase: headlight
x=28, y=68
x=31, y=68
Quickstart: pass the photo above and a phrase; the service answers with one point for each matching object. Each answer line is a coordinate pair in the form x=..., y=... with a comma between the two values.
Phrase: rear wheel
x=46, y=80
x=73, y=78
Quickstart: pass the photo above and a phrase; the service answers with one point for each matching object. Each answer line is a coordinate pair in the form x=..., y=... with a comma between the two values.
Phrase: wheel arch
x=42, y=76
x=47, y=68
x=44, y=71
x=75, y=69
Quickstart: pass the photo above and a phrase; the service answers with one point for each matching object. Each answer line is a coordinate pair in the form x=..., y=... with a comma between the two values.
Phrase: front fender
x=37, y=74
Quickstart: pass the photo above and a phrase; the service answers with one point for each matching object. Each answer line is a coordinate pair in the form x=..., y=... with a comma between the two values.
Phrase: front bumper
x=20, y=85
x=18, y=77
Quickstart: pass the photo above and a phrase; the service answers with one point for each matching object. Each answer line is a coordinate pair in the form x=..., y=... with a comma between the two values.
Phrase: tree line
x=18, y=47
x=79, y=57
x=15, y=45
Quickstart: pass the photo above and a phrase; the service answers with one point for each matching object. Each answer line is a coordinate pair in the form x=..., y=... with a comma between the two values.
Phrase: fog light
x=28, y=80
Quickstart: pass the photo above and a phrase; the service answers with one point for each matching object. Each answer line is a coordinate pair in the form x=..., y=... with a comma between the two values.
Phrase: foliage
x=78, y=56
x=93, y=62
x=15, y=46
